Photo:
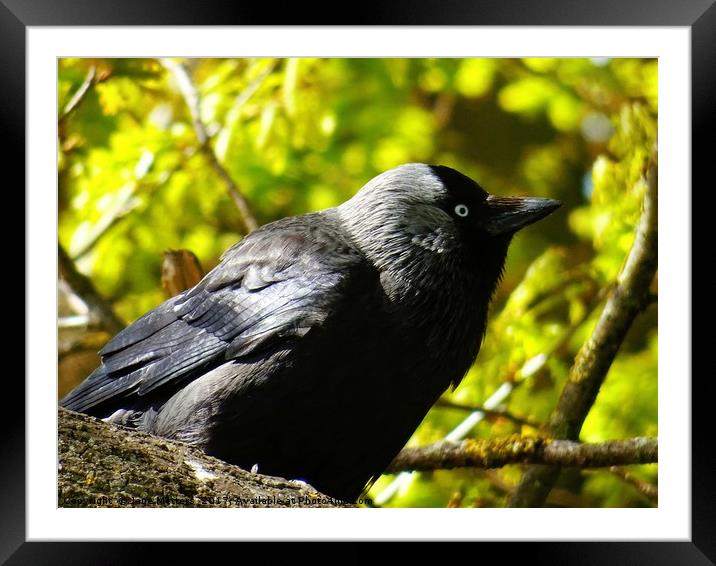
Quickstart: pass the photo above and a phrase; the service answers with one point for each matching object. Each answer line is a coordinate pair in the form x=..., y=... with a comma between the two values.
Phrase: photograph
x=357, y=282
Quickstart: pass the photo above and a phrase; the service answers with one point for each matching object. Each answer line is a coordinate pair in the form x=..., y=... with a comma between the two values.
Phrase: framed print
x=558, y=102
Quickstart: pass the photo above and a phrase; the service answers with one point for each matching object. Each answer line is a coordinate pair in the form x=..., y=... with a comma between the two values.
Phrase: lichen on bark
x=103, y=465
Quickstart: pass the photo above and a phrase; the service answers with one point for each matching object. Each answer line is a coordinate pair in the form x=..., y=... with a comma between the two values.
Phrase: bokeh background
x=298, y=135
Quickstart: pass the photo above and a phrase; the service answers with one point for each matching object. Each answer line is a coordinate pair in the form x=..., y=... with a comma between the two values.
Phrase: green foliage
x=304, y=134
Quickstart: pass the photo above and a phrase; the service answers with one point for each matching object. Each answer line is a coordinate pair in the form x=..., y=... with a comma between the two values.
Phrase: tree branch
x=99, y=310
x=192, y=99
x=521, y=450
x=626, y=300
x=104, y=465
x=76, y=99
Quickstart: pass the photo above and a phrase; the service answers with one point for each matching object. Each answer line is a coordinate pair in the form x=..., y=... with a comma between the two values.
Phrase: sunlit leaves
x=639, y=78
x=475, y=76
x=534, y=95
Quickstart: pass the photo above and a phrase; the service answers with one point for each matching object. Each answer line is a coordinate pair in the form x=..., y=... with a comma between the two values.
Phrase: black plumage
x=318, y=344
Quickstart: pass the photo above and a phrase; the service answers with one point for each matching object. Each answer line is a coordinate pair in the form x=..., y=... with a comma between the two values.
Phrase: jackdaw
x=318, y=344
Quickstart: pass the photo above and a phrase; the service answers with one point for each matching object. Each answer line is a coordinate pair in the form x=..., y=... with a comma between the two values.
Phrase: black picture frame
x=699, y=15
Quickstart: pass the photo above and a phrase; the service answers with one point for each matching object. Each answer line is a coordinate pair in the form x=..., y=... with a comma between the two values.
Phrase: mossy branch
x=525, y=450
x=103, y=465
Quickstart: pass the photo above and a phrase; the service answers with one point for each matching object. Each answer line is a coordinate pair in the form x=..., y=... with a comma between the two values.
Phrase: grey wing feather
x=143, y=327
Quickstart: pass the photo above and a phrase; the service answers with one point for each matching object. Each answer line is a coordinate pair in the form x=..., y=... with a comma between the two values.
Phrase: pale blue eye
x=461, y=210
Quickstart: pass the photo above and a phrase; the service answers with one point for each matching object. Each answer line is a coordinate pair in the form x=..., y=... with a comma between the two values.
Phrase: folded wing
x=268, y=291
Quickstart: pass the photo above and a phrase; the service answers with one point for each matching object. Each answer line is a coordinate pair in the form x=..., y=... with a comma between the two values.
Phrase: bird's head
x=416, y=218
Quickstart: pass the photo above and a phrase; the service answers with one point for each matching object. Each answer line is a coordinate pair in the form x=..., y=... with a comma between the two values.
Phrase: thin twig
x=648, y=490
x=520, y=450
x=234, y=113
x=74, y=102
x=192, y=99
x=98, y=308
x=73, y=321
x=248, y=92
x=490, y=413
x=107, y=222
x=626, y=300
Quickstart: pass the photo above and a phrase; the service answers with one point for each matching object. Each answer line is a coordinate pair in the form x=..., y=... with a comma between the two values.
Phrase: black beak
x=507, y=215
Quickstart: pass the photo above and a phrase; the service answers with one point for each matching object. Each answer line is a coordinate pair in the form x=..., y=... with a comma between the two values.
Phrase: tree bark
x=100, y=311
x=499, y=452
x=103, y=465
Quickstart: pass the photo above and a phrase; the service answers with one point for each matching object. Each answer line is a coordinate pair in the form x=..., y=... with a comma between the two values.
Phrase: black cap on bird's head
x=495, y=215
